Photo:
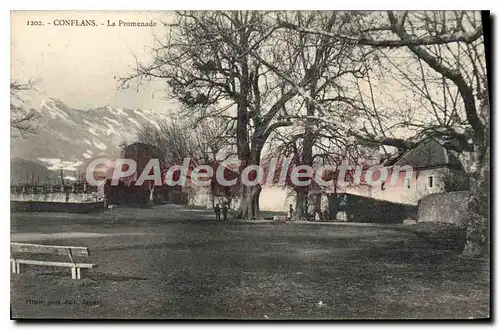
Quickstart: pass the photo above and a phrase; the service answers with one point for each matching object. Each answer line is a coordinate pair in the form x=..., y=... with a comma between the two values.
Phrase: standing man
x=217, y=211
x=342, y=215
x=224, y=211
x=290, y=213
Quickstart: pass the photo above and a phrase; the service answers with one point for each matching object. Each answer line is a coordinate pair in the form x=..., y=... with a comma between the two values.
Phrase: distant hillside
x=68, y=137
x=27, y=171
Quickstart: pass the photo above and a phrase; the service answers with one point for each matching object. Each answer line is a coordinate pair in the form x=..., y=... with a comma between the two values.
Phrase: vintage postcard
x=253, y=165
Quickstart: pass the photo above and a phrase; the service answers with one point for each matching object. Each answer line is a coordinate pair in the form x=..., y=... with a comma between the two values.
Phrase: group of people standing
x=318, y=215
x=218, y=209
x=290, y=214
x=338, y=212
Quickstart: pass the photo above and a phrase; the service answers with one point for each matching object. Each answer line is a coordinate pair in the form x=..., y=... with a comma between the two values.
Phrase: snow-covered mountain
x=68, y=137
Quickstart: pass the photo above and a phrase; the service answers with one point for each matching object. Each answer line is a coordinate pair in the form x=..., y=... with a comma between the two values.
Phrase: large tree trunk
x=249, y=205
x=249, y=197
x=301, y=203
x=242, y=141
x=478, y=226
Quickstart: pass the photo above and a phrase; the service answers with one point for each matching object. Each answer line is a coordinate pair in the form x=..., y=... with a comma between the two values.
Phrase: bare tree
x=449, y=45
x=215, y=138
x=204, y=141
x=172, y=137
x=236, y=65
x=203, y=60
x=330, y=68
x=21, y=120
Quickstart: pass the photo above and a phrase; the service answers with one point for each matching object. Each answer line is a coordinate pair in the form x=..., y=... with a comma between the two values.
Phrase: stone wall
x=448, y=207
x=365, y=209
x=74, y=193
x=54, y=197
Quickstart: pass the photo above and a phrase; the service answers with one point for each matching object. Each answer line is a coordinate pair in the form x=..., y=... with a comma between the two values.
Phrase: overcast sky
x=78, y=65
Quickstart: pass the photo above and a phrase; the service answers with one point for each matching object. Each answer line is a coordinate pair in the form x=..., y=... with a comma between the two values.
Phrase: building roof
x=427, y=154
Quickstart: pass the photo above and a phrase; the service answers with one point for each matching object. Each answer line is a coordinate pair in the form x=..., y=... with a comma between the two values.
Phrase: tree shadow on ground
x=87, y=274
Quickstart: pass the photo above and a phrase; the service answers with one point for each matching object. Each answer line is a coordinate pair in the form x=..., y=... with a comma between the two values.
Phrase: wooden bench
x=71, y=251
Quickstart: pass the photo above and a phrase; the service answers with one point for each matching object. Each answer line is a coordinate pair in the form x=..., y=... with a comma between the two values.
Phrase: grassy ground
x=193, y=267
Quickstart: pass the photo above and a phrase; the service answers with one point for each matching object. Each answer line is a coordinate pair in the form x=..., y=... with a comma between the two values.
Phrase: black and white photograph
x=250, y=165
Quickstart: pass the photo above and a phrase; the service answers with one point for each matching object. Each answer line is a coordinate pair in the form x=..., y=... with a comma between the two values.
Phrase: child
x=317, y=216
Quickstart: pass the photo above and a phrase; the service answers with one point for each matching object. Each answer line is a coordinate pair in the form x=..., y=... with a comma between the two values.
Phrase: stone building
x=435, y=170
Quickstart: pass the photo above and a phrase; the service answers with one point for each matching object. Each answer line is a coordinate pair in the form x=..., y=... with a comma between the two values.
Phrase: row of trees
x=178, y=138
x=319, y=84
